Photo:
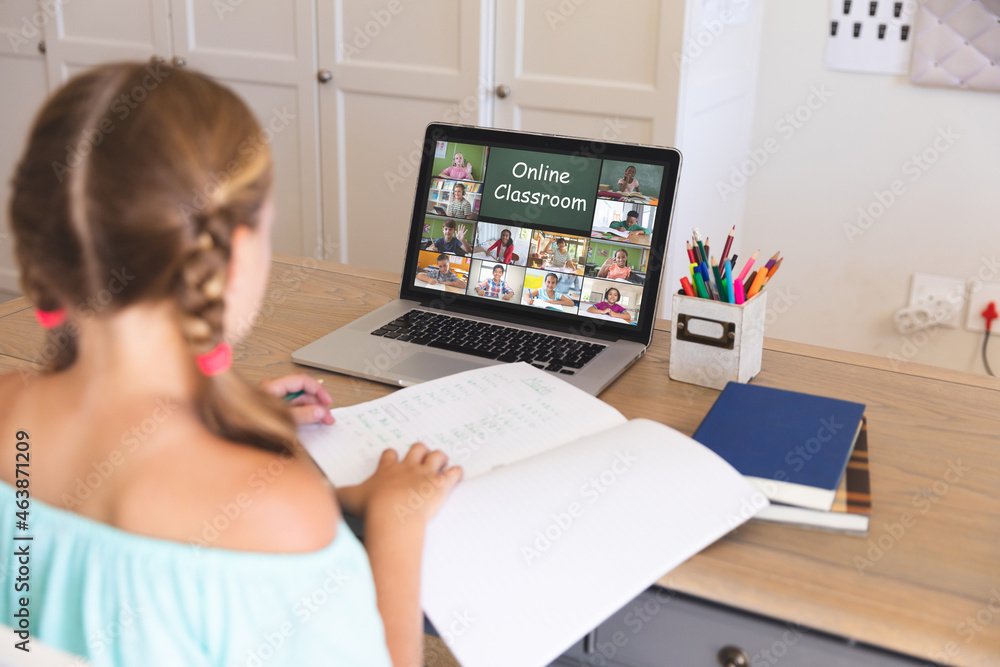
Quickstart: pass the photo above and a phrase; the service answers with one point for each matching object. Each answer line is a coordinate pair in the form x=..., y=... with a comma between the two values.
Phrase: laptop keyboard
x=491, y=341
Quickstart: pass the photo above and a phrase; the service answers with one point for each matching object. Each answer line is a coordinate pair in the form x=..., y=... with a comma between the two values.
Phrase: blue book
x=794, y=447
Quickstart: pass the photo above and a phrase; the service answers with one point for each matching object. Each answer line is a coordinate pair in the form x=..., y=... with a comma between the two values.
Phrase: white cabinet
x=23, y=86
x=264, y=51
x=347, y=87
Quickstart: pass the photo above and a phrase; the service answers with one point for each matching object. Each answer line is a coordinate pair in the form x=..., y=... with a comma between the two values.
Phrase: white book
x=566, y=512
x=609, y=230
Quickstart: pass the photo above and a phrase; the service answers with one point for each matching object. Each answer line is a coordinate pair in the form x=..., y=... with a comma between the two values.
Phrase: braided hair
x=151, y=194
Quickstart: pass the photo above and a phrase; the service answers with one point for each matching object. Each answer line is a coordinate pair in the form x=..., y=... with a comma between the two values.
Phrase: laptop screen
x=558, y=232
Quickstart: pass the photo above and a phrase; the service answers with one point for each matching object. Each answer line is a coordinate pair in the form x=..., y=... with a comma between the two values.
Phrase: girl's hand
x=416, y=486
x=311, y=407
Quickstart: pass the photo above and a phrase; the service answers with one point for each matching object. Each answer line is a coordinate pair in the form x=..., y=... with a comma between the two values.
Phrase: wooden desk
x=932, y=557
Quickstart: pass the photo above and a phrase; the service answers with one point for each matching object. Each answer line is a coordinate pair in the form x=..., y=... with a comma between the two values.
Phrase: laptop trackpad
x=425, y=367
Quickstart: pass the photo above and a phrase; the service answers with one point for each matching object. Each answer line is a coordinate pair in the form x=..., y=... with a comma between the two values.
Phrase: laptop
x=526, y=268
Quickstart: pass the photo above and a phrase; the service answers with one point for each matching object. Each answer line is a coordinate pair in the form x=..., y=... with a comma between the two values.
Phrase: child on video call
x=503, y=247
x=178, y=203
x=559, y=257
x=628, y=182
x=496, y=287
x=616, y=266
x=453, y=240
x=610, y=305
x=460, y=169
x=548, y=293
x=441, y=273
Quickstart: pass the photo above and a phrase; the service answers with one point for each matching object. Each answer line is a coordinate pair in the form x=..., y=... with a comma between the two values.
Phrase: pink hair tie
x=50, y=319
x=217, y=361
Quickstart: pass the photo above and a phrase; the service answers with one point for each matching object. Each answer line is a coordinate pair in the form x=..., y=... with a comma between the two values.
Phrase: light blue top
x=118, y=598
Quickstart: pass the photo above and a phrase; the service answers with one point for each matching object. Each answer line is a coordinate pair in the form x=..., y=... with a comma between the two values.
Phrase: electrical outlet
x=926, y=289
x=980, y=295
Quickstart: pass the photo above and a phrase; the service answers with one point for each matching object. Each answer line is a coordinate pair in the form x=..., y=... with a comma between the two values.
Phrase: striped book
x=852, y=506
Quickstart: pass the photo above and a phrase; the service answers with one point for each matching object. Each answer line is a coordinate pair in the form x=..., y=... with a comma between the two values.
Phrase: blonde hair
x=155, y=187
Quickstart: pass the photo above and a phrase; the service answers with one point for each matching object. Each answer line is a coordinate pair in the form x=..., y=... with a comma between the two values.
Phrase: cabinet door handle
x=155, y=60
x=733, y=656
x=503, y=90
x=179, y=62
x=324, y=76
x=41, y=47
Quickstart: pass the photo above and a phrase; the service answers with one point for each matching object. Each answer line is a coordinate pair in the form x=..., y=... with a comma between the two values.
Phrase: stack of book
x=808, y=454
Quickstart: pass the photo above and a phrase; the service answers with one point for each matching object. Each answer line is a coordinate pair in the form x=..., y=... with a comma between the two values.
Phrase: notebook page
x=481, y=419
x=524, y=561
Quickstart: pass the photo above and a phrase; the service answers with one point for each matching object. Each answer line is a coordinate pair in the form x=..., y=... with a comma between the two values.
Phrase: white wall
x=837, y=289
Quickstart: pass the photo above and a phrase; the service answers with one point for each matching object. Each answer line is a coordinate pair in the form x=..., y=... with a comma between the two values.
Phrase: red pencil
x=729, y=244
x=686, y=284
x=691, y=253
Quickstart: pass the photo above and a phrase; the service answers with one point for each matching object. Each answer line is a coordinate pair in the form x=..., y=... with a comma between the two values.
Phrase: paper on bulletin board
x=874, y=36
x=440, y=149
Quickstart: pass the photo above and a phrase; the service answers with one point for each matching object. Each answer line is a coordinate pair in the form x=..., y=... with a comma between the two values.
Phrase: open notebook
x=567, y=510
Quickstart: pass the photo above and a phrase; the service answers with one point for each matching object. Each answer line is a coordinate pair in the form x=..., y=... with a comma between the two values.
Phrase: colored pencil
x=686, y=284
x=700, y=284
x=731, y=291
x=747, y=283
x=743, y=273
x=758, y=282
x=690, y=252
x=728, y=245
x=773, y=270
x=718, y=279
x=771, y=261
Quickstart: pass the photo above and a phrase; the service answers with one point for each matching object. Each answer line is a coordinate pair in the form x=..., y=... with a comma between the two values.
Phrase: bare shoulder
x=232, y=496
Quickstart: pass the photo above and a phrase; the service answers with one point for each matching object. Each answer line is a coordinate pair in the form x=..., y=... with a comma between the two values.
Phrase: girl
x=628, y=182
x=459, y=169
x=616, y=267
x=162, y=485
x=548, y=293
x=610, y=305
x=504, y=247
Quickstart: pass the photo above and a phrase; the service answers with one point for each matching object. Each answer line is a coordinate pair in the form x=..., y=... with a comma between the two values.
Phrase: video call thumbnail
x=454, y=199
x=627, y=181
x=492, y=280
x=437, y=270
x=557, y=252
x=448, y=235
x=552, y=291
x=616, y=262
x=611, y=300
x=626, y=222
x=462, y=162
x=502, y=243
